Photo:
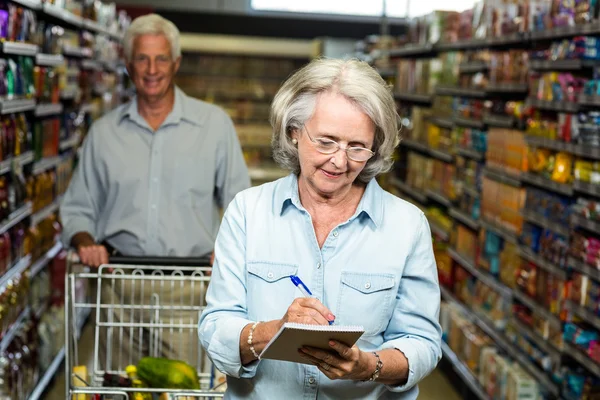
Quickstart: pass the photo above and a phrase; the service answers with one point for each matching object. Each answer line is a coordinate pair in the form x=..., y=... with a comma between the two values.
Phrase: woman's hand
x=342, y=362
x=307, y=310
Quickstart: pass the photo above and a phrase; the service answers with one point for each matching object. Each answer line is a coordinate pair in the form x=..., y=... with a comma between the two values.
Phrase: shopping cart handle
x=165, y=261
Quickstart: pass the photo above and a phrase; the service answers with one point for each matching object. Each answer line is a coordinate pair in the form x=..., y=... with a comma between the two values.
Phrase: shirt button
x=318, y=265
x=154, y=180
x=270, y=275
x=154, y=206
x=335, y=233
x=368, y=285
x=311, y=381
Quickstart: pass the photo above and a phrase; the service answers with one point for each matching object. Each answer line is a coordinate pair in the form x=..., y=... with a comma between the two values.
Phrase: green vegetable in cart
x=163, y=373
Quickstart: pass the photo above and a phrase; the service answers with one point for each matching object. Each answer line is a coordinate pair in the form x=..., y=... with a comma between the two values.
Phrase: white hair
x=295, y=103
x=152, y=24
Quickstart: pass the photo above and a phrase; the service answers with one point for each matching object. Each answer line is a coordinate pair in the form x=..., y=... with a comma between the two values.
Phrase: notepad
x=291, y=337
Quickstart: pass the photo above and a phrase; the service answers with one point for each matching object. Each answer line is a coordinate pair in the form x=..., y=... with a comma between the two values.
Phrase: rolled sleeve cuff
x=224, y=349
x=419, y=365
x=74, y=226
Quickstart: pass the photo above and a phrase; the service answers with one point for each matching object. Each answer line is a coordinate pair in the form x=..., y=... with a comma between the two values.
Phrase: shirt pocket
x=365, y=299
x=269, y=290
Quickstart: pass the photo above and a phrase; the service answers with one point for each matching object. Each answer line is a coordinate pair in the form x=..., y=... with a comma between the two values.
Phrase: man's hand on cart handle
x=90, y=253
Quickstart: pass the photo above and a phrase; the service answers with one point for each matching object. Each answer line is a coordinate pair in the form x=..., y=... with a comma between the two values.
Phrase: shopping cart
x=144, y=306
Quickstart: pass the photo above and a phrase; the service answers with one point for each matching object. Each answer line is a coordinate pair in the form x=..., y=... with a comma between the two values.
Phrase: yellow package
x=562, y=168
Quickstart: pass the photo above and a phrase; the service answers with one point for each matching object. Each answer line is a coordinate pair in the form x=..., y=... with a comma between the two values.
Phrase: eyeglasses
x=328, y=146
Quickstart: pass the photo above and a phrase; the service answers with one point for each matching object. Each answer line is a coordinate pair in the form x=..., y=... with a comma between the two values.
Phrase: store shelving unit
x=525, y=181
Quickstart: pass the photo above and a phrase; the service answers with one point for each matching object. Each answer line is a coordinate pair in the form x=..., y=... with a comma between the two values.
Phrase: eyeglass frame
x=339, y=147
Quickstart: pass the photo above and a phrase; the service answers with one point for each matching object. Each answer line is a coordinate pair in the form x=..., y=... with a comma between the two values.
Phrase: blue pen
x=305, y=290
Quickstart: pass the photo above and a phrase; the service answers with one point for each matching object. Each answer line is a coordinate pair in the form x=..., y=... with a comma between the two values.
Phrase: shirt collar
x=370, y=205
x=182, y=110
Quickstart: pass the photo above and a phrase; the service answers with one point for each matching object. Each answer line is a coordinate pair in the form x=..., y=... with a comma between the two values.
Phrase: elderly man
x=154, y=172
x=153, y=176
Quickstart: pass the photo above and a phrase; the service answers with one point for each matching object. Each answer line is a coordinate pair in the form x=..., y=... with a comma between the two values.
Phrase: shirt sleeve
x=225, y=315
x=80, y=208
x=414, y=328
x=232, y=174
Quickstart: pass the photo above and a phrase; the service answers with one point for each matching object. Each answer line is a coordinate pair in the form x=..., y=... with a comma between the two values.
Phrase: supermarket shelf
x=45, y=212
x=482, y=276
x=43, y=383
x=584, y=313
x=464, y=372
x=500, y=231
x=16, y=269
x=412, y=51
x=561, y=106
x=414, y=97
x=587, y=188
x=502, y=176
x=12, y=331
x=469, y=123
x=387, y=72
x=500, y=121
x=542, y=262
x=458, y=91
x=544, y=222
x=412, y=192
x=31, y=4
x=536, y=307
x=267, y=174
x=19, y=49
x=92, y=65
x=62, y=14
x=470, y=153
x=547, y=184
x=49, y=60
x=45, y=164
x=69, y=143
x=585, y=223
x=40, y=264
x=556, y=145
x=44, y=110
x=518, y=355
x=556, y=65
x=441, y=155
x=415, y=145
x=584, y=268
x=567, y=31
x=438, y=197
x=80, y=52
x=582, y=358
x=14, y=218
x=508, y=88
x=590, y=101
x=23, y=159
x=16, y=106
x=473, y=67
x=542, y=343
x=471, y=191
x=592, y=152
x=96, y=27
x=48, y=375
x=442, y=122
x=464, y=218
x=436, y=229
x=462, y=45
x=486, y=326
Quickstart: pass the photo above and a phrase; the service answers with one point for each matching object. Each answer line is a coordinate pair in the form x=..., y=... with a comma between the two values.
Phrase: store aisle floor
x=435, y=387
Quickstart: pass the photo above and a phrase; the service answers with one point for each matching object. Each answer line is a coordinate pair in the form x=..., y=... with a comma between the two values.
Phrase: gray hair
x=295, y=103
x=152, y=24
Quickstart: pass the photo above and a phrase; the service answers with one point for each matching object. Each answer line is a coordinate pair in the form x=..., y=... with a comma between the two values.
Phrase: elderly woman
x=365, y=254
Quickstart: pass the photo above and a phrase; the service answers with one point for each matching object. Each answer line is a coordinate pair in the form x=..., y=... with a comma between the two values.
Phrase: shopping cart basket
x=144, y=307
